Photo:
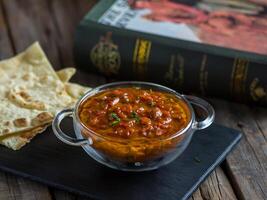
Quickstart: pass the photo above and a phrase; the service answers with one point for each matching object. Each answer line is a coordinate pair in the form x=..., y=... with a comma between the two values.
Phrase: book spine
x=129, y=55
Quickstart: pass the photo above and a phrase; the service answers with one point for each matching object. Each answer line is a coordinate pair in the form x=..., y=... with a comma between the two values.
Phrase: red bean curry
x=134, y=112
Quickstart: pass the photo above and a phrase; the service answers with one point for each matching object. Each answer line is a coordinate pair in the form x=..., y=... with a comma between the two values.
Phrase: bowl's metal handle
x=206, y=107
x=61, y=135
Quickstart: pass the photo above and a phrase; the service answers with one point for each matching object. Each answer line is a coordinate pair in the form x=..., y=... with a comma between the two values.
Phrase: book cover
x=233, y=24
x=208, y=47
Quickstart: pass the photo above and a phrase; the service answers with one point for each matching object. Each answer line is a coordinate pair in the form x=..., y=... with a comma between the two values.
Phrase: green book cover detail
x=185, y=49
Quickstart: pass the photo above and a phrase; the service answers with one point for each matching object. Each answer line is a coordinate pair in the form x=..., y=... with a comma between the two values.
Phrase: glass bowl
x=139, y=154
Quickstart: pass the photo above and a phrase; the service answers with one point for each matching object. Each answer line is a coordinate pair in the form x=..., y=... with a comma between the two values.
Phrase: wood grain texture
x=196, y=195
x=246, y=165
x=5, y=43
x=12, y=187
x=62, y=195
x=32, y=22
x=215, y=187
x=66, y=25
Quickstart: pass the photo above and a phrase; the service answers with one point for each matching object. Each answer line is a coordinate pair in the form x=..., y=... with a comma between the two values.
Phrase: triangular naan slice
x=30, y=91
x=76, y=90
x=66, y=74
x=17, y=140
x=73, y=89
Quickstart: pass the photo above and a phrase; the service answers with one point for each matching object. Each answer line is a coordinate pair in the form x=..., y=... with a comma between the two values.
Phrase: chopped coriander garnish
x=114, y=116
x=117, y=119
x=135, y=116
x=115, y=123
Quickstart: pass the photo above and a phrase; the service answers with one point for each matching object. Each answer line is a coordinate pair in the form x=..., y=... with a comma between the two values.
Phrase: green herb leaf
x=117, y=119
x=115, y=123
x=135, y=116
x=115, y=116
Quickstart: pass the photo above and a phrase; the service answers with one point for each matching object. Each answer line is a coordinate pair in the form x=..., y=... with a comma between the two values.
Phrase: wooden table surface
x=243, y=175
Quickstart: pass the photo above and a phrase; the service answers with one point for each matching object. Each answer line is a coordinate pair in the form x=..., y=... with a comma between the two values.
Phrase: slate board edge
x=212, y=167
x=69, y=189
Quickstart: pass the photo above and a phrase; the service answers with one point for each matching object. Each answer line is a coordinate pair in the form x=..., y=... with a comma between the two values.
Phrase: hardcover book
x=207, y=47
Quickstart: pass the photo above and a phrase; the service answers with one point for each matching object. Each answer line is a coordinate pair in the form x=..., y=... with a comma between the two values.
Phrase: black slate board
x=51, y=162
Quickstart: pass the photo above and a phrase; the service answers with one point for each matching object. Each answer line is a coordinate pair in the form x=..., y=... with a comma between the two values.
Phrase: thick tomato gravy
x=134, y=113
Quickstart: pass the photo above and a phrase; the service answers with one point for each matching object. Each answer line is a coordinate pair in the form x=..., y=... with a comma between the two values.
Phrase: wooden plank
x=196, y=195
x=62, y=195
x=259, y=114
x=65, y=28
x=66, y=25
x=32, y=22
x=215, y=187
x=246, y=165
x=83, y=7
x=12, y=187
x=5, y=44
